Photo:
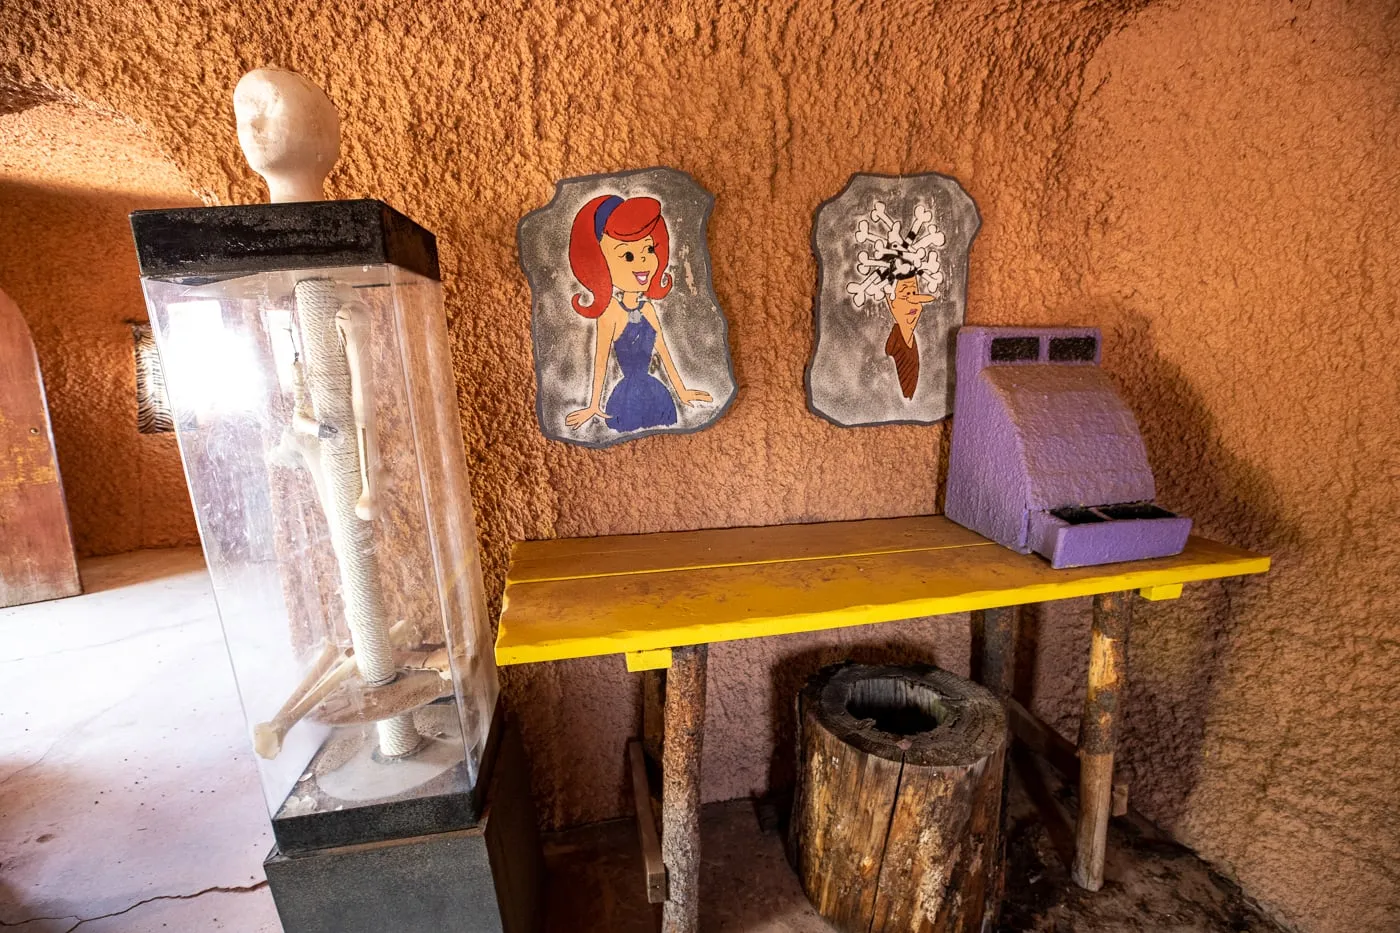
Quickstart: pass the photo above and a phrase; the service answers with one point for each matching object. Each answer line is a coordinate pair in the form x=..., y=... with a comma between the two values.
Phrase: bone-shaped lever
x=353, y=323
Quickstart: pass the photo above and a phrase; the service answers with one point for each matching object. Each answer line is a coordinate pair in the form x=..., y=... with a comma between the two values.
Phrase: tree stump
x=896, y=825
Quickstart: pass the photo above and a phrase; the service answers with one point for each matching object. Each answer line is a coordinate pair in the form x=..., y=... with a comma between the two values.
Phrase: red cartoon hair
x=629, y=221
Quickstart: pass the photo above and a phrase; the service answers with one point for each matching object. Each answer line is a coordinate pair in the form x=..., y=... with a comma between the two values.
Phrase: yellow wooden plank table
x=584, y=597
x=661, y=599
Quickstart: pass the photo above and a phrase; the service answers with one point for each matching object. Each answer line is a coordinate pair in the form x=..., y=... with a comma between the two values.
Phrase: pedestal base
x=353, y=801
x=485, y=879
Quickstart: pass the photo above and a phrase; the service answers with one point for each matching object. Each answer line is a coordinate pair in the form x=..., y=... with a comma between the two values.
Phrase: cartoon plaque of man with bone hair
x=899, y=268
x=892, y=259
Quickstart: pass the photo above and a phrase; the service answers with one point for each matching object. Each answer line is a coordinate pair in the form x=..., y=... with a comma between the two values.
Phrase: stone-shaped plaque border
x=869, y=240
x=692, y=325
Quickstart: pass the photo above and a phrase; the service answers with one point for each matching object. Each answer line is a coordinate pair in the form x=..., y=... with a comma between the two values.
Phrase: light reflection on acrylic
x=213, y=369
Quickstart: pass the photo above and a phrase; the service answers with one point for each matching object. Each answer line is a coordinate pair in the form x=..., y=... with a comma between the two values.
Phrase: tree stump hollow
x=896, y=824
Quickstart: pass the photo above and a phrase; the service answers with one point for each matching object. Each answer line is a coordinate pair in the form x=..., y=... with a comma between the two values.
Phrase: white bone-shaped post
x=290, y=134
x=353, y=323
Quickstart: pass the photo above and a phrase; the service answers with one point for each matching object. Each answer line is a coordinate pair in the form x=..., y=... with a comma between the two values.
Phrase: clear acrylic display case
x=306, y=360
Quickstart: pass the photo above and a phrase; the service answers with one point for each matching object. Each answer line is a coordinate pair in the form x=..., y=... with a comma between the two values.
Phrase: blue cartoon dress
x=639, y=400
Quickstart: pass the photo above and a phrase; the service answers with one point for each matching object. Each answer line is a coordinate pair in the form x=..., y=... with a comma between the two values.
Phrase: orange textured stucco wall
x=1232, y=184
x=1214, y=187
x=68, y=177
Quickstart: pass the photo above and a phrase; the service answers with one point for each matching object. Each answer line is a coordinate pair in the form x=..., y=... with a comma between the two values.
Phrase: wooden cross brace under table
x=660, y=599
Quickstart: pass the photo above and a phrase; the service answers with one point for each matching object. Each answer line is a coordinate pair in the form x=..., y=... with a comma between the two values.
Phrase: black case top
x=206, y=244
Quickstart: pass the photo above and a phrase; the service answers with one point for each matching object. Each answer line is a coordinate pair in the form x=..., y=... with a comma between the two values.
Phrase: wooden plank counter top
x=584, y=597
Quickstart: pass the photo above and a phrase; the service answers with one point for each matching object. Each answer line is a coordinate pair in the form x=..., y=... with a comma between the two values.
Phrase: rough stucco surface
x=1232, y=183
x=68, y=178
x=1214, y=187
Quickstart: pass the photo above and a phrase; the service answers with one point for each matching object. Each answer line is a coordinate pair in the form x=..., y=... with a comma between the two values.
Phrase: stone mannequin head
x=289, y=131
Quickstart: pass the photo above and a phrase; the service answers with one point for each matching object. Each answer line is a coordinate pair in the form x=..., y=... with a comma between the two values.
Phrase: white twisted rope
x=328, y=380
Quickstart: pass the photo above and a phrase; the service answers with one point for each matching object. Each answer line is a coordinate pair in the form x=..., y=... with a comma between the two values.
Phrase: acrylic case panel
x=316, y=414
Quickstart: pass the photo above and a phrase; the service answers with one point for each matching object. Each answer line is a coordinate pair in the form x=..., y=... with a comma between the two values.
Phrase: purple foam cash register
x=1046, y=458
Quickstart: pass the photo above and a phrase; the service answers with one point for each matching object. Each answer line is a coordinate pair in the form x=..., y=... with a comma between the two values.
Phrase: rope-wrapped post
x=680, y=794
x=1098, y=733
x=332, y=399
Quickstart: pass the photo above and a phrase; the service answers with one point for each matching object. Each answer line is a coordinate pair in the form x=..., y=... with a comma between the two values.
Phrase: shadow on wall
x=1179, y=649
x=69, y=176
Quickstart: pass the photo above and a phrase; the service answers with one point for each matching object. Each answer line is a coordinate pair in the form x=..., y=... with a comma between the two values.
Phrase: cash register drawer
x=1105, y=534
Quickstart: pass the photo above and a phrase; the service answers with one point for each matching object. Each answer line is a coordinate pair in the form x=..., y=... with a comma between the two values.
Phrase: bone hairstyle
x=894, y=255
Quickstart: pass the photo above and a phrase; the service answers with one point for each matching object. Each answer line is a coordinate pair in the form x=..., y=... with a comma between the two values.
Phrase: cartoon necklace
x=633, y=314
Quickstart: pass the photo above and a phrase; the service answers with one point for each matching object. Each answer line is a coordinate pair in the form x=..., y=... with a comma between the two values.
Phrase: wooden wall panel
x=37, y=561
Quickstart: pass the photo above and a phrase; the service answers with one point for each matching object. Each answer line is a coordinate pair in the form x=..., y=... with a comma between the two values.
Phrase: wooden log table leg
x=999, y=628
x=1098, y=733
x=680, y=794
x=999, y=648
x=653, y=713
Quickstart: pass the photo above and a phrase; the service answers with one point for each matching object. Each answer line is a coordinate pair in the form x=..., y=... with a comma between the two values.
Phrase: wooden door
x=36, y=543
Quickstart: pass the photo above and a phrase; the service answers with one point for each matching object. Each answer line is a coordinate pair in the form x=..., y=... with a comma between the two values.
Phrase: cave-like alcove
x=69, y=176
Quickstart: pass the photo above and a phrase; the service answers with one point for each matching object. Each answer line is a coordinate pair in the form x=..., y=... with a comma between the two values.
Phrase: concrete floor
x=128, y=796
x=129, y=800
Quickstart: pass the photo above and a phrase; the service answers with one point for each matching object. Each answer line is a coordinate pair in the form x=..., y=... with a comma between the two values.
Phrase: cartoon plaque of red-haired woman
x=654, y=355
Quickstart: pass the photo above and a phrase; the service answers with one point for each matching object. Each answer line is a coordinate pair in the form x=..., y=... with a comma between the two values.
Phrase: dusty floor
x=129, y=801
x=1151, y=884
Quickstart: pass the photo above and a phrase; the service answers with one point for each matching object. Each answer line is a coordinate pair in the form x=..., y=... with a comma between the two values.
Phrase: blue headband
x=600, y=219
